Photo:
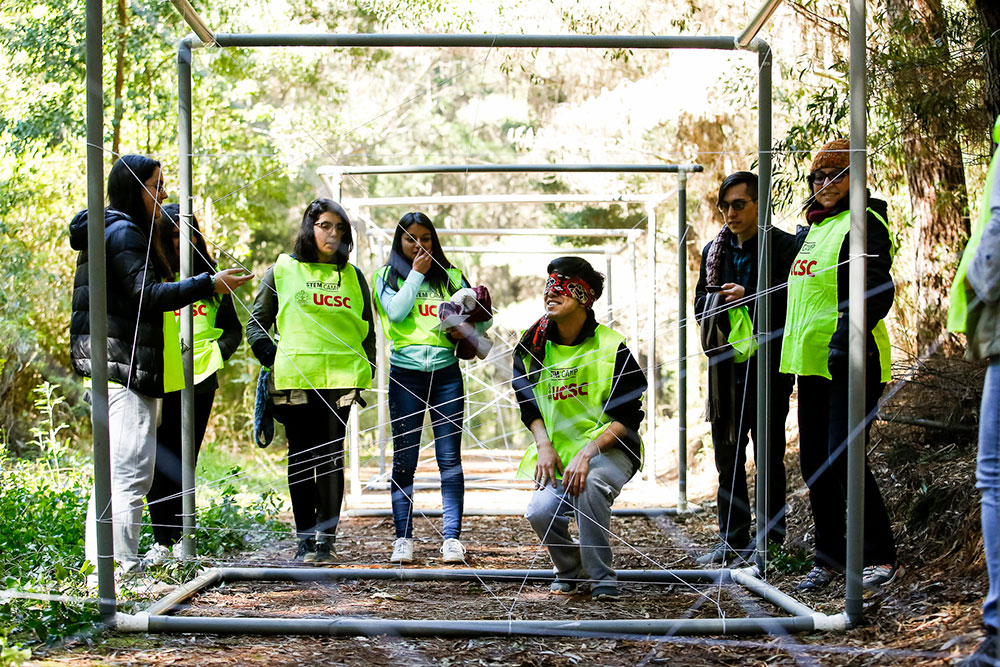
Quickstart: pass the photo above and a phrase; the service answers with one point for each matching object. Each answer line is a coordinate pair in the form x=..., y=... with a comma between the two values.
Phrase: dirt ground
x=929, y=616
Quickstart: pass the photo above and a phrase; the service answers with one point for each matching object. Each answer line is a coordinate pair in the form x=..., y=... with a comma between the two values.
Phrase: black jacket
x=784, y=247
x=137, y=300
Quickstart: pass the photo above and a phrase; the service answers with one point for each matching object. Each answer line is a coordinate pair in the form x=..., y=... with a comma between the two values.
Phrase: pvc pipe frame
x=720, y=626
x=156, y=618
x=380, y=512
x=332, y=176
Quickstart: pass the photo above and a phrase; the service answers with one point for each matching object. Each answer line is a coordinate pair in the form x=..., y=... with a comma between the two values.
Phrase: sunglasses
x=328, y=226
x=736, y=205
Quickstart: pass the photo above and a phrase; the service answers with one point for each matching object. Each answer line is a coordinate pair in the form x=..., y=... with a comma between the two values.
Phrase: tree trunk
x=116, y=123
x=989, y=17
x=934, y=171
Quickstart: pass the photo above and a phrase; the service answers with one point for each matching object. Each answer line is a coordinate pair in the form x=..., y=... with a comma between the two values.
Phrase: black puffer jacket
x=131, y=280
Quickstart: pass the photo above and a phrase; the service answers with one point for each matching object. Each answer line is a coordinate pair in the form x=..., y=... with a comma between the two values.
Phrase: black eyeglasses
x=824, y=177
x=736, y=204
x=328, y=226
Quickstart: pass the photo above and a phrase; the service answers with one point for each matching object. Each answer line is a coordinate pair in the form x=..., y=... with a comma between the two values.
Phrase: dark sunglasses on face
x=736, y=204
x=824, y=177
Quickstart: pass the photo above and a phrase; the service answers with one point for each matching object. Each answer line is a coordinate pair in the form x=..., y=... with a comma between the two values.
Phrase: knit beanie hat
x=834, y=154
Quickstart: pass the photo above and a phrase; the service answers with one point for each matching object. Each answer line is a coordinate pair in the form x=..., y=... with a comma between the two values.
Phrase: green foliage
x=788, y=559
x=11, y=656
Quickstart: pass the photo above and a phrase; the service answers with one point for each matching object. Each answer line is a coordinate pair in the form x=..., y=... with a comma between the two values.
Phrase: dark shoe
x=987, y=655
x=306, y=553
x=873, y=576
x=605, y=593
x=722, y=554
x=324, y=555
x=817, y=578
x=564, y=587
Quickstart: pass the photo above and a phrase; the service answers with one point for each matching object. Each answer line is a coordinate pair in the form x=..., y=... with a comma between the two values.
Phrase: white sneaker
x=452, y=551
x=402, y=550
x=157, y=555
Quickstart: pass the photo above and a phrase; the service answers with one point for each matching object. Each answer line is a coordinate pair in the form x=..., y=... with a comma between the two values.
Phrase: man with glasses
x=725, y=306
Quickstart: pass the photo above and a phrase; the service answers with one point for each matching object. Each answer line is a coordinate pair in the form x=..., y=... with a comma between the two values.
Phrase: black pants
x=315, y=436
x=731, y=458
x=164, y=498
x=823, y=456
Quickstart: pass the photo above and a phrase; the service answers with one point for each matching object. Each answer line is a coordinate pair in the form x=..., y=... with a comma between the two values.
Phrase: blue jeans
x=411, y=394
x=988, y=483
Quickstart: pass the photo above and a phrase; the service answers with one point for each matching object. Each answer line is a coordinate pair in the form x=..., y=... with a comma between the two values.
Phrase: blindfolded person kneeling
x=580, y=391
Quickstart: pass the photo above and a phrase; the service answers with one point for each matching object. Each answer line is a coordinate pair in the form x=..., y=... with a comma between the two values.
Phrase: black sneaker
x=306, y=552
x=817, y=578
x=324, y=554
x=722, y=554
x=873, y=576
x=605, y=593
x=987, y=655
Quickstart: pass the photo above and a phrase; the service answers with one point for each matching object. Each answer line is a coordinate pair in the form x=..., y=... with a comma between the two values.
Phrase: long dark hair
x=168, y=226
x=126, y=183
x=305, y=243
x=399, y=265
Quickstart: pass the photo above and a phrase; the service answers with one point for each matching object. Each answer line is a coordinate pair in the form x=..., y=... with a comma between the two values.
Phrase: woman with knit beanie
x=815, y=348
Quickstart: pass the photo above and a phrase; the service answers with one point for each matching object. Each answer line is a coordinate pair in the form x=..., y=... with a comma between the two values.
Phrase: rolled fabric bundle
x=469, y=305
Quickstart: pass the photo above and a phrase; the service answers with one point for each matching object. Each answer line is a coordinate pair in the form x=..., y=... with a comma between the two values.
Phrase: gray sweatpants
x=132, y=421
x=550, y=508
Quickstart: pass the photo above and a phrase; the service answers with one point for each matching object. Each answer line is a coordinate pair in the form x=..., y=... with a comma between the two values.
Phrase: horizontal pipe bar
x=764, y=590
x=474, y=486
x=372, y=40
x=450, y=200
x=537, y=231
x=512, y=168
x=532, y=251
x=649, y=512
x=232, y=574
x=182, y=593
x=367, y=627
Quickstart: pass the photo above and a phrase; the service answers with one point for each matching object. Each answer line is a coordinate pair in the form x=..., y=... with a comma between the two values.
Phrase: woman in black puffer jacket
x=139, y=365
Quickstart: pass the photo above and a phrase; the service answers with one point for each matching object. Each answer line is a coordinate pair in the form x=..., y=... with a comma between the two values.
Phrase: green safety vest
x=420, y=326
x=173, y=366
x=958, y=311
x=812, y=302
x=571, y=391
x=321, y=326
x=741, y=336
x=207, y=355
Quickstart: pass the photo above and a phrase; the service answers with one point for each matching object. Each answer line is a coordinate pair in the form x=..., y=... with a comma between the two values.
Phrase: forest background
x=266, y=120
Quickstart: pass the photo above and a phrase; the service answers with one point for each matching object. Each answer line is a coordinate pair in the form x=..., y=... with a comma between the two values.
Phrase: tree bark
x=934, y=171
x=989, y=18
x=119, y=112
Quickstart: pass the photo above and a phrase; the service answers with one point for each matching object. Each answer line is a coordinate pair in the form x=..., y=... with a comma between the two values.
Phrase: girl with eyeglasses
x=815, y=348
x=144, y=356
x=423, y=376
x=319, y=306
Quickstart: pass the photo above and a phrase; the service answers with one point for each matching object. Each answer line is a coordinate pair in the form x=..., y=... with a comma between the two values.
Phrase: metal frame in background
x=333, y=176
x=746, y=41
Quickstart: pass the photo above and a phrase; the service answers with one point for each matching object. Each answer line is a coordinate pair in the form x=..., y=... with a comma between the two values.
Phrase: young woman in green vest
x=423, y=376
x=320, y=308
x=815, y=348
x=217, y=335
x=580, y=391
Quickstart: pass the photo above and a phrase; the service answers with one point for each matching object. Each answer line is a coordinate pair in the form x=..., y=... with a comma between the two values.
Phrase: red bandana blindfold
x=574, y=288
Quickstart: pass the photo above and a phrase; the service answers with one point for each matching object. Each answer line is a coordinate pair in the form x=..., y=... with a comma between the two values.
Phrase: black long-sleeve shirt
x=624, y=404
